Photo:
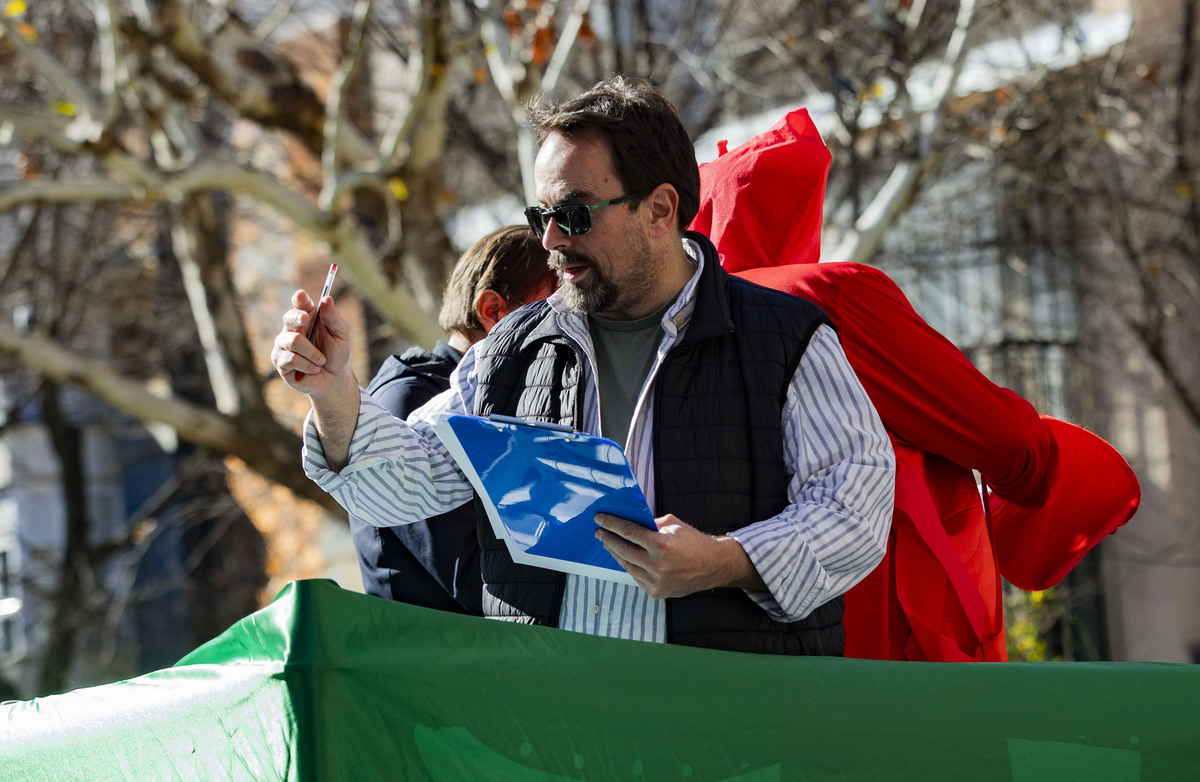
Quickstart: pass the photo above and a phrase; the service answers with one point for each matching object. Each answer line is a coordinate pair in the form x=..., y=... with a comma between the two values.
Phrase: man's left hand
x=678, y=559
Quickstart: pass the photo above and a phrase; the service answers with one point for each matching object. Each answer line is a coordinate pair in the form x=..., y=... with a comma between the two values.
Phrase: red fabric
x=944, y=417
x=1094, y=491
x=1058, y=488
x=790, y=161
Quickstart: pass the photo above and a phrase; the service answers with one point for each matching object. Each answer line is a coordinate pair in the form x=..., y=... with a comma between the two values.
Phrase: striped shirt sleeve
x=398, y=471
x=842, y=468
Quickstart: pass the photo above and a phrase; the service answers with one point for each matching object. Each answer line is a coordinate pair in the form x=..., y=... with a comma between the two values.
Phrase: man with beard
x=754, y=442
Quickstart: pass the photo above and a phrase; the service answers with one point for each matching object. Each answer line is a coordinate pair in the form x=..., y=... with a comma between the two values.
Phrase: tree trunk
x=68, y=608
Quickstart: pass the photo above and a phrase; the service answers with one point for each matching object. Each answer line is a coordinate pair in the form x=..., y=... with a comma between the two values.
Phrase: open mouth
x=574, y=271
x=570, y=269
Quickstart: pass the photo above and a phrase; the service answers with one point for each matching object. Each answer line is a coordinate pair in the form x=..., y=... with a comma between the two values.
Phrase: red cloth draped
x=1058, y=489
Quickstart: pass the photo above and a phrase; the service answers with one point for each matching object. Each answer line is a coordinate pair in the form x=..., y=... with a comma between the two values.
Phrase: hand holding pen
x=316, y=316
x=322, y=372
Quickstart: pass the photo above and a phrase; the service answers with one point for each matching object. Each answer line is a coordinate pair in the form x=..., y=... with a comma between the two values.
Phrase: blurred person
x=435, y=563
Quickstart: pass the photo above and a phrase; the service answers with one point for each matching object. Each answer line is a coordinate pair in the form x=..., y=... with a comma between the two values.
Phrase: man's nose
x=555, y=238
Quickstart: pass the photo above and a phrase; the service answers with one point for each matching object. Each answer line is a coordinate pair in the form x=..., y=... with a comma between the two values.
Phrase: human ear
x=663, y=207
x=490, y=306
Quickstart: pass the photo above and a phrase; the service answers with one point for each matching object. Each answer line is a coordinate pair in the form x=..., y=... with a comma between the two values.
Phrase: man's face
x=610, y=270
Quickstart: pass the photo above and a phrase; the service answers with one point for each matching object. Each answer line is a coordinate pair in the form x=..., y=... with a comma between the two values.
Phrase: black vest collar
x=711, y=315
x=546, y=327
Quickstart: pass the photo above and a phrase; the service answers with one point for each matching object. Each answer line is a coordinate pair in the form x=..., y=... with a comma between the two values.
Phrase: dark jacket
x=433, y=563
x=718, y=446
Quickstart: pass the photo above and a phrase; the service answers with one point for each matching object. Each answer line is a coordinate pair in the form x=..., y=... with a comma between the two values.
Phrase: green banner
x=326, y=684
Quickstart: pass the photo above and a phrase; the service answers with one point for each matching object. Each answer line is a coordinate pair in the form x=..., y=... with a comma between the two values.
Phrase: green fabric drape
x=326, y=684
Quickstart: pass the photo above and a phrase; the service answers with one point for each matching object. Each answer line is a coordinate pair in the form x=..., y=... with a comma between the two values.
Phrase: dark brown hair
x=644, y=133
x=510, y=261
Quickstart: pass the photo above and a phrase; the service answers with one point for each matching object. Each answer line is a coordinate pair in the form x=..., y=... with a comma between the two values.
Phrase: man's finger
x=624, y=550
x=292, y=320
x=625, y=528
x=296, y=344
x=332, y=320
x=302, y=301
x=641, y=576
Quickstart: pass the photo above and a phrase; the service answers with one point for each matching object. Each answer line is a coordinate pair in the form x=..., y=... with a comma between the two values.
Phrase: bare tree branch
x=334, y=106
x=343, y=236
x=276, y=459
x=258, y=84
x=86, y=126
x=860, y=243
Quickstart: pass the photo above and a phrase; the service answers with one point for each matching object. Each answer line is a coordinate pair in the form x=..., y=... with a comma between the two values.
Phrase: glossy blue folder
x=543, y=485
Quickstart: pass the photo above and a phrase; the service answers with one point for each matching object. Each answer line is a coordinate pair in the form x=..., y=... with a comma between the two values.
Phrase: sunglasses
x=573, y=219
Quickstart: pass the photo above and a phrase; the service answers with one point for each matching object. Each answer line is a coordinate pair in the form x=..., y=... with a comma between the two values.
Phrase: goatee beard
x=597, y=296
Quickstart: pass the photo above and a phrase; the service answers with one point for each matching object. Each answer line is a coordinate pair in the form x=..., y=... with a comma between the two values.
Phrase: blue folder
x=542, y=486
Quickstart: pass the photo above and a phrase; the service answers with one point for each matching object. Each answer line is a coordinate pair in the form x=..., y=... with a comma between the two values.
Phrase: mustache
x=559, y=260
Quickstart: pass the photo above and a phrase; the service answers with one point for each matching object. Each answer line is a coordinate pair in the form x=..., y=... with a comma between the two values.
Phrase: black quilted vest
x=718, y=448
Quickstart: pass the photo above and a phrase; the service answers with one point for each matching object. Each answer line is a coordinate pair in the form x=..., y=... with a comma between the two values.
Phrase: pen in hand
x=316, y=319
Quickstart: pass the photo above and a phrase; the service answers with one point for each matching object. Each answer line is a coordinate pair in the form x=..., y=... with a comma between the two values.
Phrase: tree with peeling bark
x=128, y=184
x=154, y=143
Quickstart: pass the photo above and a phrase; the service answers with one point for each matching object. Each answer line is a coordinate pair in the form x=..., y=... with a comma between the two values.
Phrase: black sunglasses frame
x=573, y=219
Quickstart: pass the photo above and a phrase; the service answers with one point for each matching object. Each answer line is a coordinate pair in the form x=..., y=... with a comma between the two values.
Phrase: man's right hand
x=325, y=372
x=321, y=368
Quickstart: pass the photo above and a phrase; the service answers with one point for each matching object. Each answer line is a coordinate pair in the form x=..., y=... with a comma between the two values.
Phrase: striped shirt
x=838, y=457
